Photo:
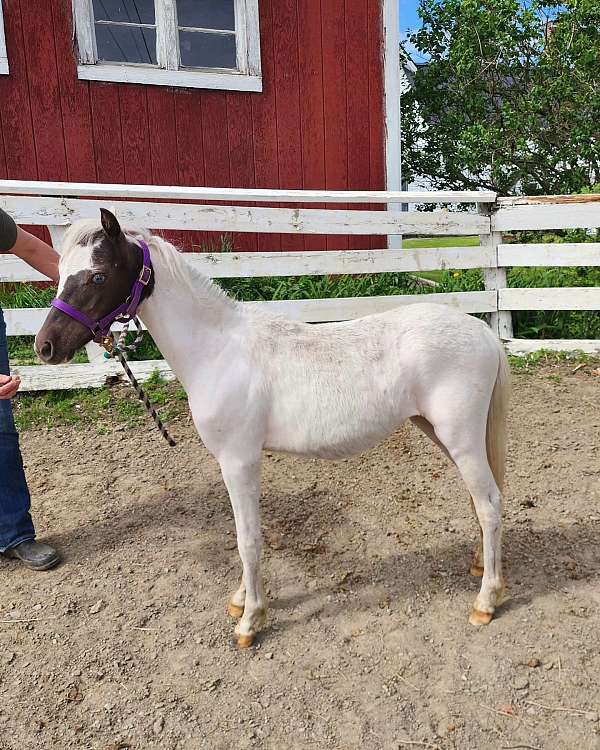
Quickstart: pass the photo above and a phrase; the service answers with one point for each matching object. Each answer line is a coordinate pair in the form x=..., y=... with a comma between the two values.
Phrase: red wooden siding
x=319, y=122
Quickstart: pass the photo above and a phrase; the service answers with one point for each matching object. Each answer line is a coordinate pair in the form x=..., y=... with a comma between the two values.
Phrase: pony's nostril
x=46, y=350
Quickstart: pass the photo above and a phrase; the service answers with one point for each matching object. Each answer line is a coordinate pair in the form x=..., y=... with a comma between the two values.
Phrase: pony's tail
x=495, y=438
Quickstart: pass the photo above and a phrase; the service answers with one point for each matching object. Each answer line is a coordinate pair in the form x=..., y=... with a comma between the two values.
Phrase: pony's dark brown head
x=98, y=267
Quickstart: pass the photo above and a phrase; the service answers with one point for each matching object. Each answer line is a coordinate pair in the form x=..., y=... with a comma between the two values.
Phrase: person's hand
x=9, y=386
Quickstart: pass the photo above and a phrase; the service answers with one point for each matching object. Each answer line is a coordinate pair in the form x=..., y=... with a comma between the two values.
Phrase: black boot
x=35, y=555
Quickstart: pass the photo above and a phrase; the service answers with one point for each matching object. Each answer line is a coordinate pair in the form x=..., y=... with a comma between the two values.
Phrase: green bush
x=538, y=324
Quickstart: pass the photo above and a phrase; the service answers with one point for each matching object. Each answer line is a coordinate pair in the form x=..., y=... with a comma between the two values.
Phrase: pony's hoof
x=480, y=618
x=245, y=641
x=476, y=571
x=235, y=610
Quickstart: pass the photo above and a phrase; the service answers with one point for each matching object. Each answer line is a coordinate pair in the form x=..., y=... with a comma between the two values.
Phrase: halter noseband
x=125, y=312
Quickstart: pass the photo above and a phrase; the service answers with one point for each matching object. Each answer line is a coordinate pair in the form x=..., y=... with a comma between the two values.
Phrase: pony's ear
x=110, y=224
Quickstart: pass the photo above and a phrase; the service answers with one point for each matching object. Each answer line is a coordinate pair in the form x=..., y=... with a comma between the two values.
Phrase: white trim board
x=189, y=79
x=392, y=94
x=4, y=69
x=168, y=70
x=64, y=211
x=246, y=265
x=254, y=195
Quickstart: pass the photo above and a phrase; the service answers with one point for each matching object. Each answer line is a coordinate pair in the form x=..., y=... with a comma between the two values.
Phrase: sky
x=408, y=15
x=409, y=21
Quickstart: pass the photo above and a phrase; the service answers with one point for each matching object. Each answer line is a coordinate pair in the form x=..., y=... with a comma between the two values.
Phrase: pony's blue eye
x=98, y=278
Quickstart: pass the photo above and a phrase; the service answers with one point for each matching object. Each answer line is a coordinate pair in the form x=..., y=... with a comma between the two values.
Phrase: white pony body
x=257, y=381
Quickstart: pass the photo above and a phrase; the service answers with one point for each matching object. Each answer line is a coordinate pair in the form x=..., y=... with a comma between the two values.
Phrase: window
x=3, y=55
x=195, y=43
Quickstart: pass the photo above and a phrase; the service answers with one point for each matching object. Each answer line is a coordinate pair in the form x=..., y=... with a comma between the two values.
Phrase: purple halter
x=101, y=328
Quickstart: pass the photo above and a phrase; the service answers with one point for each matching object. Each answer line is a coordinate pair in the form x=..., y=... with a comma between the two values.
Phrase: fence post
x=494, y=279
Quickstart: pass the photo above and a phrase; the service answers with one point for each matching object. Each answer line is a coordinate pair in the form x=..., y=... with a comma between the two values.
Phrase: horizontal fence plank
x=558, y=298
x=24, y=321
x=528, y=346
x=28, y=321
x=175, y=192
x=579, y=215
x=229, y=219
x=545, y=200
x=15, y=269
x=63, y=377
x=550, y=254
x=231, y=265
x=325, y=310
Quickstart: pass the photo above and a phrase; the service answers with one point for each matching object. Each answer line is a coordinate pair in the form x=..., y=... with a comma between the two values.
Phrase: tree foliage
x=510, y=98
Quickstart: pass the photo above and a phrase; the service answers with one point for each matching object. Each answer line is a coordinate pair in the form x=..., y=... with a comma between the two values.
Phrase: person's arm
x=33, y=251
x=37, y=254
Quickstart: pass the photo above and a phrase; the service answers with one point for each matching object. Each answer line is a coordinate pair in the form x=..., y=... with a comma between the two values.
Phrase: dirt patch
x=127, y=644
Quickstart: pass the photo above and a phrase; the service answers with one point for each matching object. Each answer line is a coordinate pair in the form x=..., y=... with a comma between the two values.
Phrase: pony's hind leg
x=466, y=444
x=476, y=568
x=478, y=477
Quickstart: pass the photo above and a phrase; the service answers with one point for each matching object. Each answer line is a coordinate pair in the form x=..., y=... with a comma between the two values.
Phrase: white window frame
x=247, y=77
x=4, y=70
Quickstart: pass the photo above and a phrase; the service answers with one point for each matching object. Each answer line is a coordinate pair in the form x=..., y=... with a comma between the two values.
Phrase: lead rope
x=116, y=348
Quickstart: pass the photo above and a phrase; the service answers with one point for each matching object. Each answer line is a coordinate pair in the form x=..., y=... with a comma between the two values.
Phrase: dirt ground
x=127, y=644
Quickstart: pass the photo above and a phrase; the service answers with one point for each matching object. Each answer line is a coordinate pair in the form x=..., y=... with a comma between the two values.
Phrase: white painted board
x=249, y=195
x=230, y=265
x=231, y=219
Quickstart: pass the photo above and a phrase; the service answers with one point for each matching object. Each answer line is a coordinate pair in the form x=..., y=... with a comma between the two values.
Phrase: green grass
x=104, y=407
x=543, y=357
x=441, y=242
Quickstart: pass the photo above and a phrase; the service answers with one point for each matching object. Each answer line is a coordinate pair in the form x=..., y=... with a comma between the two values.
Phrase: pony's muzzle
x=45, y=351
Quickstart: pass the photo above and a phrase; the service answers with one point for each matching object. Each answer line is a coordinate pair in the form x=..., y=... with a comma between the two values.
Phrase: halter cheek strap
x=125, y=312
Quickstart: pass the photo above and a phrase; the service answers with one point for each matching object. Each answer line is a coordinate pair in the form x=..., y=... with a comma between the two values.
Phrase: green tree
x=510, y=98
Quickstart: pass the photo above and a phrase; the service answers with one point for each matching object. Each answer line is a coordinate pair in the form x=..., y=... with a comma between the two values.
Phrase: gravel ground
x=127, y=644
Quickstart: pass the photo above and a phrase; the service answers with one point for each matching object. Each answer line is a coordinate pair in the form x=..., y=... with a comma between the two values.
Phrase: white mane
x=191, y=278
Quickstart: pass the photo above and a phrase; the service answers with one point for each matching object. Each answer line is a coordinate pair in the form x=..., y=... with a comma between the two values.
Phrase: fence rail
x=57, y=205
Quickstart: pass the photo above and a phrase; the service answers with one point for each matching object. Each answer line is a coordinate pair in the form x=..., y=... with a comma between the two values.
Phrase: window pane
x=199, y=50
x=126, y=44
x=206, y=14
x=128, y=11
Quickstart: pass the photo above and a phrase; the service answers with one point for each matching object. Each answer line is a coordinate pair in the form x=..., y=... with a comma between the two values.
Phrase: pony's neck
x=186, y=314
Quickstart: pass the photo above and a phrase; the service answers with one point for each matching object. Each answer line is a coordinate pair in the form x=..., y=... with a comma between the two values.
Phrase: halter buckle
x=145, y=275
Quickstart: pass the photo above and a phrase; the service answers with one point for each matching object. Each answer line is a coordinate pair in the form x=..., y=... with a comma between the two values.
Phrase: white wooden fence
x=57, y=205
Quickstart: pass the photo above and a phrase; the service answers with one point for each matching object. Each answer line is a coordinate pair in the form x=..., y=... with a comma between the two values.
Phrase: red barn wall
x=319, y=122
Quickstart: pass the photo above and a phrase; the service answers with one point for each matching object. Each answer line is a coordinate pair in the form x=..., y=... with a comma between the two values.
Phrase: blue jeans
x=15, y=521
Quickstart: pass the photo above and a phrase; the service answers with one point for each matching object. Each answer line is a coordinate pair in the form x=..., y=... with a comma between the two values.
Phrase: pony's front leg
x=242, y=480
